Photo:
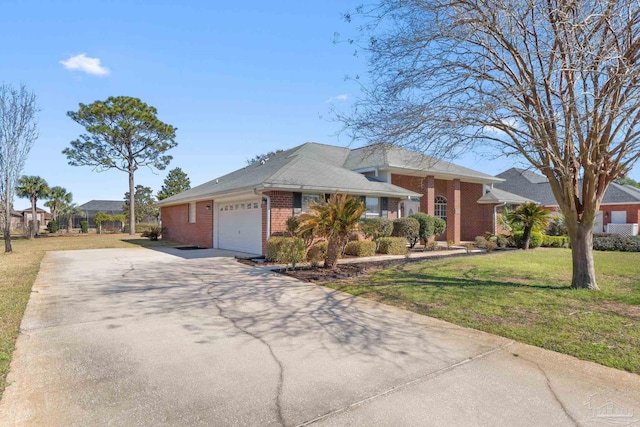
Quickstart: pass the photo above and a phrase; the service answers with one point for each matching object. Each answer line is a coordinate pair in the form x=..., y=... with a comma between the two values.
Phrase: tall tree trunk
x=7, y=215
x=584, y=272
x=7, y=238
x=132, y=207
x=69, y=223
x=334, y=246
x=34, y=218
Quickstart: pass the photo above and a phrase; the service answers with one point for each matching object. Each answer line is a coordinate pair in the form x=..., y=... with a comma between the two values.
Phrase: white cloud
x=84, y=63
x=341, y=97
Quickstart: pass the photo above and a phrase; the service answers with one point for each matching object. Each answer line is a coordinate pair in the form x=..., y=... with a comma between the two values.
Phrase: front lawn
x=524, y=296
x=18, y=271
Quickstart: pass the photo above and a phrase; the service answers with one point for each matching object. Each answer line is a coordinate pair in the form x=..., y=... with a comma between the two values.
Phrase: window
x=192, y=212
x=440, y=208
x=307, y=199
x=301, y=202
x=373, y=207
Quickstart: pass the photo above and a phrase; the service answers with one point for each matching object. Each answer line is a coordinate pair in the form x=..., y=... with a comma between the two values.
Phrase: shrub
x=360, y=248
x=153, y=233
x=427, y=225
x=616, y=243
x=84, y=226
x=433, y=246
x=481, y=242
x=554, y=241
x=375, y=228
x=409, y=228
x=490, y=246
x=534, y=241
x=392, y=245
x=286, y=250
x=52, y=226
x=469, y=247
x=502, y=241
x=449, y=244
x=317, y=252
x=439, y=226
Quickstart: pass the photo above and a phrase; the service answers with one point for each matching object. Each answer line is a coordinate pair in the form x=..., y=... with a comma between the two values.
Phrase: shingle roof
x=308, y=167
x=536, y=187
x=495, y=195
x=104, y=206
x=386, y=156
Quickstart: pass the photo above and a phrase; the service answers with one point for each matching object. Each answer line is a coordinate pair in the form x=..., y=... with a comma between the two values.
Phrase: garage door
x=240, y=226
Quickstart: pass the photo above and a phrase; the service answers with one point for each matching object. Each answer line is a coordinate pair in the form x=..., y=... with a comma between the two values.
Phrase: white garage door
x=240, y=226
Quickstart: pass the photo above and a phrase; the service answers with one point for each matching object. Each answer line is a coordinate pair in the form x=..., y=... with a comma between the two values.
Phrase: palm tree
x=58, y=197
x=32, y=188
x=529, y=216
x=333, y=219
x=69, y=210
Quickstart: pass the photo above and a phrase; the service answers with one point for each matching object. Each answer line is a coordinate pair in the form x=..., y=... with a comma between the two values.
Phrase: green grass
x=524, y=296
x=18, y=270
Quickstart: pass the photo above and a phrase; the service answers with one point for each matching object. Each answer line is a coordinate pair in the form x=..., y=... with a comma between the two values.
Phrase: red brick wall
x=175, y=221
x=476, y=218
x=281, y=210
x=393, y=209
x=633, y=213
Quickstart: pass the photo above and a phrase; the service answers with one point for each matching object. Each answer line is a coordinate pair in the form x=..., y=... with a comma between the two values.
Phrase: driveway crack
x=236, y=325
x=406, y=384
x=551, y=389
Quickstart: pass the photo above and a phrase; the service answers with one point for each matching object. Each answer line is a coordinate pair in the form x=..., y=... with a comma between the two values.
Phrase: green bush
x=439, y=226
x=361, y=248
x=392, y=245
x=84, y=226
x=285, y=250
x=534, y=242
x=502, y=241
x=52, y=226
x=317, y=252
x=409, y=228
x=555, y=241
x=616, y=243
x=375, y=228
x=481, y=242
x=490, y=246
x=427, y=225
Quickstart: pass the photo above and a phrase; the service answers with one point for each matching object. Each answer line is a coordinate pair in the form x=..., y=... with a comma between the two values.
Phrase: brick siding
x=175, y=221
x=475, y=219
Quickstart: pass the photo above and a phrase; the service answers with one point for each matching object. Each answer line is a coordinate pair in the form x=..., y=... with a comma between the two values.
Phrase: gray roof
x=495, y=195
x=103, y=206
x=536, y=187
x=309, y=167
x=387, y=156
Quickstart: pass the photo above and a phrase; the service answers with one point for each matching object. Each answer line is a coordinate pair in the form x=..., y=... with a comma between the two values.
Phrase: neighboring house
x=90, y=209
x=42, y=216
x=241, y=210
x=619, y=210
x=16, y=221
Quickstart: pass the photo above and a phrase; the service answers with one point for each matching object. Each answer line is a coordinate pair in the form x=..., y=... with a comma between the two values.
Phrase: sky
x=236, y=78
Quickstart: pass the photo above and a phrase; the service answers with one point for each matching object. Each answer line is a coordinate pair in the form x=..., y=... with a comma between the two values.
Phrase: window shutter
x=384, y=203
x=297, y=200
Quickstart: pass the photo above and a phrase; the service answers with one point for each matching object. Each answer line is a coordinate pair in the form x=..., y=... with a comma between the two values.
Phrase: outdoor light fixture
x=208, y=207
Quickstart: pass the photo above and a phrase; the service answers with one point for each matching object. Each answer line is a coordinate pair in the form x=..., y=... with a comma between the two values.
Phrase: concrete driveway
x=136, y=337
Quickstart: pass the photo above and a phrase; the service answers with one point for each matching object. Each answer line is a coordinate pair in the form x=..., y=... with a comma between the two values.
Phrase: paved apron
x=137, y=337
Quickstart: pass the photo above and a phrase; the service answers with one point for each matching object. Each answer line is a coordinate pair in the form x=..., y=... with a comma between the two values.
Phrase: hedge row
x=616, y=243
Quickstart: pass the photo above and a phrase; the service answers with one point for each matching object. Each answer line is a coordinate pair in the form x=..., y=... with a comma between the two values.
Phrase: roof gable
x=387, y=156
